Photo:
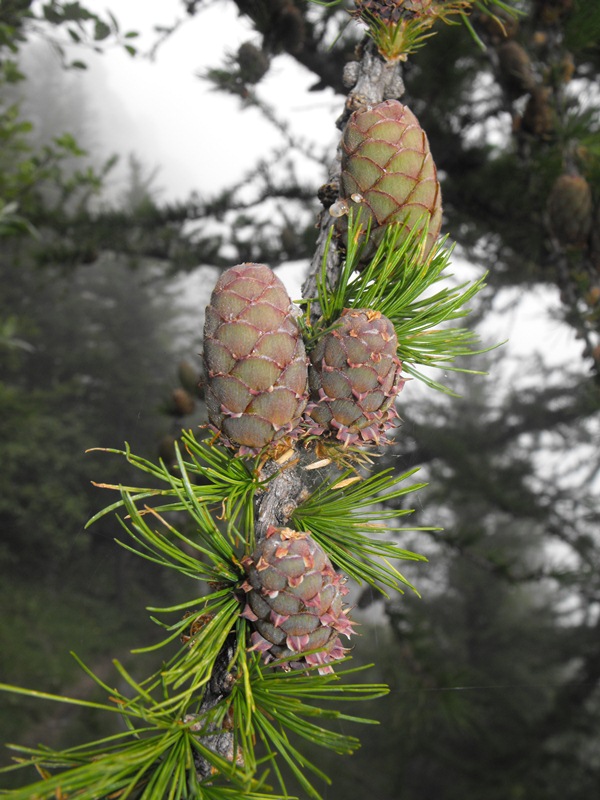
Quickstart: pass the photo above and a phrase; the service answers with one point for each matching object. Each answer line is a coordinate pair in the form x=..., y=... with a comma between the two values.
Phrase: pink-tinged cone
x=256, y=365
x=354, y=378
x=292, y=617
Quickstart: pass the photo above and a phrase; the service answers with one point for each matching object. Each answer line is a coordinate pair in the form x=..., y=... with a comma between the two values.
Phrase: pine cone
x=538, y=117
x=388, y=171
x=570, y=210
x=550, y=12
x=516, y=72
x=256, y=366
x=294, y=600
x=354, y=378
x=253, y=63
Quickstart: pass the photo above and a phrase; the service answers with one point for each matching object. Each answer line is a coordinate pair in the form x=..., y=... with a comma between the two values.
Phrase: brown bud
x=188, y=376
x=538, y=117
x=570, y=210
x=516, y=72
x=253, y=63
x=182, y=403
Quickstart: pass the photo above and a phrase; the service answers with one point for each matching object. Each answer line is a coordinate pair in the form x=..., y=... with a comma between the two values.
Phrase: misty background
x=495, y=669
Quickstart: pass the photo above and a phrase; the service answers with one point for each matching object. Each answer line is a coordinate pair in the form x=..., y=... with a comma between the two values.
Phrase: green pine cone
x=256, y=365
x=354, y=378
x=388, y=172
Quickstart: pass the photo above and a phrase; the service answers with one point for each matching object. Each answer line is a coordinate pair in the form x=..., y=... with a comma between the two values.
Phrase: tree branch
x=370, y=81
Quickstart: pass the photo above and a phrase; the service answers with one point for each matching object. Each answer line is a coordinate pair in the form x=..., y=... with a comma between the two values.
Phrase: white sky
x=201, y=139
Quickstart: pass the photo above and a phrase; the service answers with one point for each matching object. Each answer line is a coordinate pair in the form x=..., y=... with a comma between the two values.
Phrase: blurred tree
x=86, y=341
x=494, y=670
x=501, y=139
x=88, y=376
x=78, y=357
x=513, y=600
x=498, y=684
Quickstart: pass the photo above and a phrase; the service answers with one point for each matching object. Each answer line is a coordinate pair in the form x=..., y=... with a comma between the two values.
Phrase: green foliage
x=155, y=755
x=342, y=517
x=12, y=223
x=166, y=719
x=40, y=496
x=402, y=285
x=280, y=705
x=210, y=482
x=44, y=618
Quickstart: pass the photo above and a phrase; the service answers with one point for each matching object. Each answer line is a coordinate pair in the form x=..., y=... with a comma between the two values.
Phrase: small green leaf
x=75, y=12
x=402, y=284
x=67, y=141
x=52, y=13
x=349, y=522
x=101, y=31
x=114, y=21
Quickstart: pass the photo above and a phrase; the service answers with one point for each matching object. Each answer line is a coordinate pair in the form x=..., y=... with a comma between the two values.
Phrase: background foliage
x=495, y=671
